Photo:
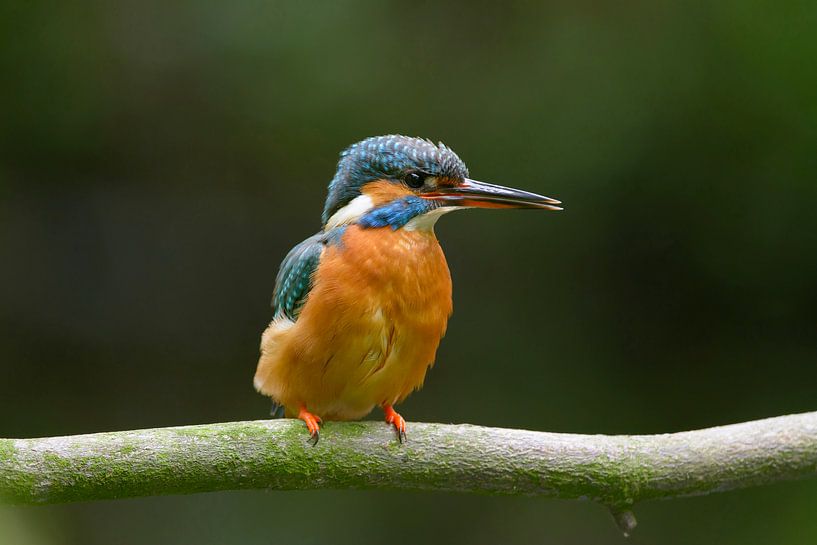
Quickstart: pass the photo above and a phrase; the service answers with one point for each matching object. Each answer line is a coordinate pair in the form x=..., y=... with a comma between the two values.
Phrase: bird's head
x=399, y=181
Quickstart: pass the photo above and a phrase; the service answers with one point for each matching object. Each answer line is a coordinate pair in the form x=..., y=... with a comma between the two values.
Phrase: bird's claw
x=399, y=423
x=313, y=424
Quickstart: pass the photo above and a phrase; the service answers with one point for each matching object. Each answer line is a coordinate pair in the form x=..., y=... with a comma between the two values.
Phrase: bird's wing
x=295, y=276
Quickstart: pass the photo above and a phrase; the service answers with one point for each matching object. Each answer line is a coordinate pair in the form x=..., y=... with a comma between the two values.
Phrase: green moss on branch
x=614, y=470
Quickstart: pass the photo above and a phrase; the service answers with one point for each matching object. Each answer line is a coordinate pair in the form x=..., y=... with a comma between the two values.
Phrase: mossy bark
x=614, y=470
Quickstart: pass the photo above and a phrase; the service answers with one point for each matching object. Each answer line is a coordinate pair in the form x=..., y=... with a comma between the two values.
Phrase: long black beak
x=471, y=193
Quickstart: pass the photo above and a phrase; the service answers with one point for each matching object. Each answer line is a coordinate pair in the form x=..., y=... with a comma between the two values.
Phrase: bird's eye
x=415, y=179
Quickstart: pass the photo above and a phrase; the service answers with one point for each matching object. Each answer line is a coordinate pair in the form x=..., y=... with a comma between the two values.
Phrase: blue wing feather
x=295, y=276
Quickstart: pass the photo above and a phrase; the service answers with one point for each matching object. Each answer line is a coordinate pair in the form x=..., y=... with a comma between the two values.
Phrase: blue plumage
x=396, y=214
x=295, y=275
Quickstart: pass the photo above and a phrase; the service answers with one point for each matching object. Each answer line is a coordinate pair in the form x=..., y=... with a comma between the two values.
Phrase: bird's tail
x=277, y=410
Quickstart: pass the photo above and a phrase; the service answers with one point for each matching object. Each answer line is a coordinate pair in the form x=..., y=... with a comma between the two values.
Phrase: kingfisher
x=359, y=308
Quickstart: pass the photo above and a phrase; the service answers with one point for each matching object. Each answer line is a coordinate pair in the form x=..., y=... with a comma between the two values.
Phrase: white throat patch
x=350, y=213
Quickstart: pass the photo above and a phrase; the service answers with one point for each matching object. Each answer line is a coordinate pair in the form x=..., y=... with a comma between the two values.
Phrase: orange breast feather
x=369, y=329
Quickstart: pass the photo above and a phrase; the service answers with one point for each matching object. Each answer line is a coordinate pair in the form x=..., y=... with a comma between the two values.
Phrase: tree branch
x=614, y=470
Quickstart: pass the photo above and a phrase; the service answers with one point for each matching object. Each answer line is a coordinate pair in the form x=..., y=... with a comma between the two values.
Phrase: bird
x=360, y=308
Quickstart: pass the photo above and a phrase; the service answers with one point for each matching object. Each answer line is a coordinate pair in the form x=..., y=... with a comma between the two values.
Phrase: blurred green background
x=157, y=161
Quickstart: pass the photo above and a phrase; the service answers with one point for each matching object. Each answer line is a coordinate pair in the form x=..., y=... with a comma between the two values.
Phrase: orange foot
x=312, y=423
x=399, y=423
